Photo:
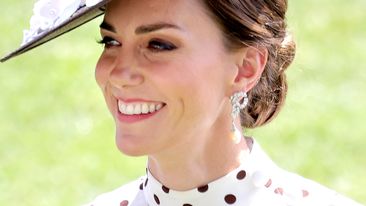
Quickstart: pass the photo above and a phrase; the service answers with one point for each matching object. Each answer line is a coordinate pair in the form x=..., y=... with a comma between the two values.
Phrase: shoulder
x=128, y=194
x=293, y=189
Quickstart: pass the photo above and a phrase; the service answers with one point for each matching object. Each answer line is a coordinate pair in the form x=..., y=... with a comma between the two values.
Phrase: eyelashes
x=157, y=45
x=154, y=45
x=108, y=42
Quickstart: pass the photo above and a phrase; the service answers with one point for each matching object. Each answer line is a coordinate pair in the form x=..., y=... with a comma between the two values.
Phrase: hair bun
x=268, y=96
x=286, y=52
x=259, y=23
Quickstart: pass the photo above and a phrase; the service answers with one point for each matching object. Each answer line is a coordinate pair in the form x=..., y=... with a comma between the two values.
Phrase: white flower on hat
x=48, y=14
x=89, y=3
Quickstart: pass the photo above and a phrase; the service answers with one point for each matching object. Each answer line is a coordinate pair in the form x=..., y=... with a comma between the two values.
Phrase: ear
x=250, y=65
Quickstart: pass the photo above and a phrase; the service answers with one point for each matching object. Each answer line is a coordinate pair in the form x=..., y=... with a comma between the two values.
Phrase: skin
x=190, y=138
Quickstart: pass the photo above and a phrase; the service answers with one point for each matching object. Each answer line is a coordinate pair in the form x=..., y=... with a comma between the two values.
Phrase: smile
x=138, y=108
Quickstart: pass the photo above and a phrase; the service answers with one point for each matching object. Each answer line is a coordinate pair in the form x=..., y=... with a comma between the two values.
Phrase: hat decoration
x=52, y=18
x=48, y=14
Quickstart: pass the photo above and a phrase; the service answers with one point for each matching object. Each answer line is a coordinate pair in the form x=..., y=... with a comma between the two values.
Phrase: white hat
x=52, y=18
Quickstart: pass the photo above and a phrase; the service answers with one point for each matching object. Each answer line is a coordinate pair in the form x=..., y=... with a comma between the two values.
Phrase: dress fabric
x=257, y=182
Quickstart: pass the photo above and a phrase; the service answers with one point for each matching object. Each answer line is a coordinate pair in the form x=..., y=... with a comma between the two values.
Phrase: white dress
x=257, y=182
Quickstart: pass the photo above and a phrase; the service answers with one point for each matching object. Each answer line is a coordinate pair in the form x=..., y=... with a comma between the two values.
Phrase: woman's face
x=165, y=73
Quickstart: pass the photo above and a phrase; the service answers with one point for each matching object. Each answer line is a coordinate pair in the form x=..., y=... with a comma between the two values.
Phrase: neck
x=199, y=160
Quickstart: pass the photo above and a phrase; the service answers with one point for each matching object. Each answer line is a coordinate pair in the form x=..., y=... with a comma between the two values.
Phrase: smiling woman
x=181, y=80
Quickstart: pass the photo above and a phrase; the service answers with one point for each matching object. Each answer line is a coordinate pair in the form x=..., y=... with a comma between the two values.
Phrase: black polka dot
x=279, y=191
x=141, y=186
x=156, y=199
x=241, y=175
x=146, y=181
x=203, y=188
x=269, y=183
x=165, y=189
x=187, y=205
x=230, y=199
x=123, y=203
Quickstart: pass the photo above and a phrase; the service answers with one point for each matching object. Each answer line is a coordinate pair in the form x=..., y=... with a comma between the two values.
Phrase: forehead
x=130, y=12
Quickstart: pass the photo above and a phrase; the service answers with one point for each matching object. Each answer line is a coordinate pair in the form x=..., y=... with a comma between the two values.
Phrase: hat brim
x=80, y=17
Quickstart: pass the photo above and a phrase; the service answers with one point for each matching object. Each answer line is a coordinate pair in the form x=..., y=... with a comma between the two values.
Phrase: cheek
x=102, y=71
x=209, y=84
x=200, y=82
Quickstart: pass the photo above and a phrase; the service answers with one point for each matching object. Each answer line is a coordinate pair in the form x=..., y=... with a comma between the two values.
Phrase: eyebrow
x=107, y=26
x=142, y=29
x=154, y=27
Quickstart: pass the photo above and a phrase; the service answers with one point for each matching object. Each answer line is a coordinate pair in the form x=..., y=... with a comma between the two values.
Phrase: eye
x=109, y=42
x=157, y=45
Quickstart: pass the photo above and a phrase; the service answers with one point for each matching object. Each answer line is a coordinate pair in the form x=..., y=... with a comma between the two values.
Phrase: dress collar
x=236, y=187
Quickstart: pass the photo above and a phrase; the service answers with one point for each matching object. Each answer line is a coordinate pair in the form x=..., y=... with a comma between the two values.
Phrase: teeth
x=138, y=108
x=151, y=108
x=144, y=108
x=122, y=108
x=129, y=109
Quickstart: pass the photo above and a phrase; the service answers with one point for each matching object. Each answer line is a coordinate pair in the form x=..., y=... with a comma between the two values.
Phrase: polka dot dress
x=257, y=182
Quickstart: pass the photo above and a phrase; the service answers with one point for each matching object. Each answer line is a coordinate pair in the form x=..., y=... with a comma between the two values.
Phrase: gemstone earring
x=239, y=101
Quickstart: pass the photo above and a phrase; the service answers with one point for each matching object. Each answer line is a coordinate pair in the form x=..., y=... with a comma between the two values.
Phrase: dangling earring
x=239, y=101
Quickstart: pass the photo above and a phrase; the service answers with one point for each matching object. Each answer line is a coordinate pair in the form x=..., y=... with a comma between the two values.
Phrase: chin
x=127, y=146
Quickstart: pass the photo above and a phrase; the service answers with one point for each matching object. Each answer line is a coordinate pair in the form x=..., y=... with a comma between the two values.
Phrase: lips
x=138, y=108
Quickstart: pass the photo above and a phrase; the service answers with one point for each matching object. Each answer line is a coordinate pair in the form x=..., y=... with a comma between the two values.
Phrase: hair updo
x=259, y=23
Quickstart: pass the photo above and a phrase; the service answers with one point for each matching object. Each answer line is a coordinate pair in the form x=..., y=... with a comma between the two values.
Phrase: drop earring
x=239, y=100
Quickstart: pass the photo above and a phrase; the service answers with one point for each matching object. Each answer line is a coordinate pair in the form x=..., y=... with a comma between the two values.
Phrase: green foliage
x=57, y=138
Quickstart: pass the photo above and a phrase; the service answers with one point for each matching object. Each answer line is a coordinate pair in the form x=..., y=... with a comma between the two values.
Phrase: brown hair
x=259, y=23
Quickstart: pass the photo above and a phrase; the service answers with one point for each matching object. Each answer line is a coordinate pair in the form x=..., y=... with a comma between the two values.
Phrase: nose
x=125, y=73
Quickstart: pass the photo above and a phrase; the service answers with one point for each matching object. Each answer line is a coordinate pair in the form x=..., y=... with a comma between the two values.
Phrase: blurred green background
x=57, y=137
